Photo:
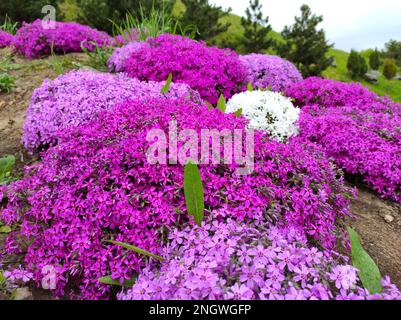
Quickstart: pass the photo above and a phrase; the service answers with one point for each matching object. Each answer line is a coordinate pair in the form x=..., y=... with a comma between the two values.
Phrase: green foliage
x=6, y=82
x=222, y=103
x=150, y=24
x=193, y=190
x=383, y=87
x=166, y=87
x=5, y=229
x=389, y=68
x=256, y=29
x=205, y=17
x=306, y=46
x=374, y=60
x=98, y=58
x=137, y=250
x=70, y=11
x=108, y=280
x=356, y=65
x=23, y=10
x=368, y=271
x=393, y=50
x=238, y=113
x=6, y=167
x=101, y=13
x=8, y=25
x=249, y=87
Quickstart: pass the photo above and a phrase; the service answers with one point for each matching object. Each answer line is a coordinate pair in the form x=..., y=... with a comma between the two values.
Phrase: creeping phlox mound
x=6, y=39
x=33, y=40
x=97, y=184
x=225, y=260
x=209, y=70
x=116, y=62
x=269, y=71
x=358, y=130
x=267, y=111
x=78, y=96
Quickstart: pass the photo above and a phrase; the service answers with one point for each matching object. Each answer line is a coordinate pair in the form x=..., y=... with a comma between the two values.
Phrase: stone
x=23, y=294
x=397, y=77
x=372, y=76
x=388, y=218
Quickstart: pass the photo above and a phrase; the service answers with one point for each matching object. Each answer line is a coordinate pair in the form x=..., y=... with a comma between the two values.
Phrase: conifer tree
x=257, y=29
x=205, y=17
x=305, y=45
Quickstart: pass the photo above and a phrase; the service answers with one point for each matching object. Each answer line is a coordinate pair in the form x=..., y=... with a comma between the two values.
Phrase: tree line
x=303, y=42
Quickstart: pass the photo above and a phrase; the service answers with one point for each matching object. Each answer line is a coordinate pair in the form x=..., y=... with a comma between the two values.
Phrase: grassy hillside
x=384, y=87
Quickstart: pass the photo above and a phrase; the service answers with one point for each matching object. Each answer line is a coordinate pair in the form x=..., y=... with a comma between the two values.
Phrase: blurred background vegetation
x=218, y=26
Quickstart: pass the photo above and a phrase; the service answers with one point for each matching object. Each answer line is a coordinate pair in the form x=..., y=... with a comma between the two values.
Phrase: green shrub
x=389, y=69
x=6, y=82
x=374, y=60
x=356, y=65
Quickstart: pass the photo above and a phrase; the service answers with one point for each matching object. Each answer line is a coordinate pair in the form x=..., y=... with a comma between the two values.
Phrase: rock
x=23, y=294
x=372, y=76
x=388, y=218
x=397, y=77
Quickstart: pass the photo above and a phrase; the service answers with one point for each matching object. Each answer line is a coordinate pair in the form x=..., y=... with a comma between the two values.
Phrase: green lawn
x=384, y=87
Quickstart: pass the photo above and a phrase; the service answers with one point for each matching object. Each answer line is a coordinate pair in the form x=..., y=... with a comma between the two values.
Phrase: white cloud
x=357, y=24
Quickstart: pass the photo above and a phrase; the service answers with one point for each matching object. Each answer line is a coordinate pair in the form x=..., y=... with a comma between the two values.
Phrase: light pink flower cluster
x=230, y=261
x=266, y=71
x=79, y=96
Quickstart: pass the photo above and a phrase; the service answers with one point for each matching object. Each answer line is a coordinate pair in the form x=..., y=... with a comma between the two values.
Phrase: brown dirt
x=380, y=238
x=29, y=75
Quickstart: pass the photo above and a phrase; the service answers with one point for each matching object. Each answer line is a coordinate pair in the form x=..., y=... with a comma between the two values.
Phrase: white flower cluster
x=268, y=111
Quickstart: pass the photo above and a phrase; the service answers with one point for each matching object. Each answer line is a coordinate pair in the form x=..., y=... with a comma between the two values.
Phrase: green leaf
x=137, y=250
x=249, y=87
x=238, y=113
x=108, y=280
x=6, y=165
x=193, y=190
x=166, y=87
x=5, y=229
x=368, y=272
x=1, y=277
x=221, y=104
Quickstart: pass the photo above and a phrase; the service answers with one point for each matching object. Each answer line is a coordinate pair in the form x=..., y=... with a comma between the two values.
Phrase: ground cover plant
x=359, y=130
x=101, y=191
x=267, y=111
x=79, y=96
x=33, y=40
x=209, y=70
x=267, y=71
x=126, y=184
x=224, y=260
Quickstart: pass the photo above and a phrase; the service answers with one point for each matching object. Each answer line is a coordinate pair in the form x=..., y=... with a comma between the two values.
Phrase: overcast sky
x=350, y=24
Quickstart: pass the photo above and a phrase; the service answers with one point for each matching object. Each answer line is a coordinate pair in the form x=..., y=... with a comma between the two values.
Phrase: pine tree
x=353, y=64
x=306, y=46
x=363, y=66
x=206, y=18
x=374, y=60
x=256, y=28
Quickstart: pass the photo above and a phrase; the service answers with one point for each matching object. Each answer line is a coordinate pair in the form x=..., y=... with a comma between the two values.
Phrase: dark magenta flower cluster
x=267, y=71
x=6, y=39
x=97, y=185
x=209, y=70
x=78, y=96
x=359, y=130
x=227, y=260
x=33, y=40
